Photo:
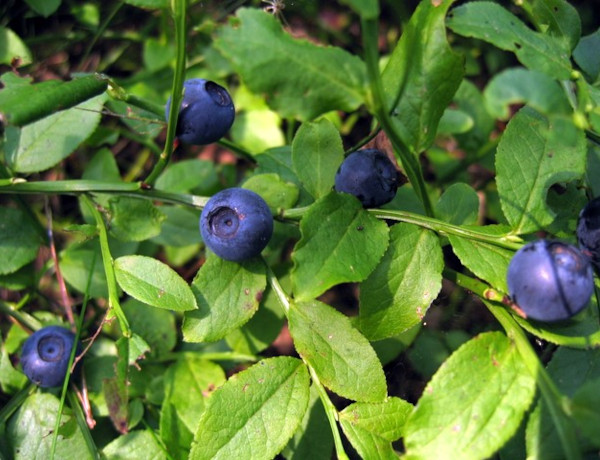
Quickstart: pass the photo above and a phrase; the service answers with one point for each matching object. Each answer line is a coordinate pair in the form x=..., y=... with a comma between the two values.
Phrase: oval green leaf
x=340, y=355
x=154, y=283
x=255, y=412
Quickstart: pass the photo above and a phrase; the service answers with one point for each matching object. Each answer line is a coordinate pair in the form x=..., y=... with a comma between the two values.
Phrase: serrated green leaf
x=519, y=85
x=556, y=18
x=474, y=419
x=256, y=411
x=535, y=153
x=134, y=219
x=300, y=79
x=225, y=302
x=492, y=23
x=29, y=431
x=317, y=152
x=458, y=205
x=151, y=281
x=341, y=356
x=277, y=193
x=372, y=427
x=341, y=242
x=313, y=438
x=396, y=296
x=44, y=143
x=19, y=242
x=487, y=261
x=422, y=75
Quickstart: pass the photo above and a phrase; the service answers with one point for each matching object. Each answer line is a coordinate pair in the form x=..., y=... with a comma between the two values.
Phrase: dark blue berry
x=45, y=355
x=550, y=280
x=206, y=113
x=370, y=176
x=588, y=230
x=236, y=224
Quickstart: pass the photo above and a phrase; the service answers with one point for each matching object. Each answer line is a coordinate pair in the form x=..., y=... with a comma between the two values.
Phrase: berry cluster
x=552, y=280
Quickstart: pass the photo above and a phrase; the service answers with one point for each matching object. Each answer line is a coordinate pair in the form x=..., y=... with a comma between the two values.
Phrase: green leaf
x=372, y=427
x=149, y=4
x=534, y=153
x=155, y=326
x=11, y=380
x=469, y=99
x=14, y=50
x=135, y=445
x=262, y=329
x=44, y=143
x=455, y=121
x=458, y=205
x=586, y=410
x=300, y=79
x=225, y=302
x=19, y=242
x=518, y=85
x=44, y=7
x=256, y=411
x=556, y=18
x=79, y=259
x=487, y=261
x=179, y=227
x=422, y=75
x=134, y=219
x=151, y=281
x=188, y=384
x=570, y=370
x=341, y=242
x=586, y=56
x=317, y=152
x=313, y=438
x=29, y=431
x=46, y=98
x=277, y=193
x=341, y=356
x=189, y=175
x=494, y=24
x=102, y=166
x=474, y=419
x=396, y=296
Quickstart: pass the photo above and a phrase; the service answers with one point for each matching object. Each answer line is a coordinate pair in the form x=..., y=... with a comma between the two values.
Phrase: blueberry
x=588, y=230
x=45, y=355
x=236, y=224
x=370, y=176
x=550, y=280
x=206, y=113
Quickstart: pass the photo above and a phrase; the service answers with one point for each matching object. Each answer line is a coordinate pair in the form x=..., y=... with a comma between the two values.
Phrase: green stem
x=331, y=412
x=557, y=403
x=238, y=150
x=83, y=427
x=76, y=187
x=22, y=317
x=179, y=8
x=111, y=281
x=119, y=93
x=330, y=409
x=410, y=162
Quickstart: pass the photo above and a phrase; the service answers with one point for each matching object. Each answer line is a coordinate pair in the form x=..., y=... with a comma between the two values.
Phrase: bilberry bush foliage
x=357, y=332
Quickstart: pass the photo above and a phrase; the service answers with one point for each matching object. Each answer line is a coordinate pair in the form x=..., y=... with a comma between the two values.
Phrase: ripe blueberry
x=550, y=280
x=45, y=355
x=236, y=224
x=588, y=230
x=206, y=113
x=370, y=176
